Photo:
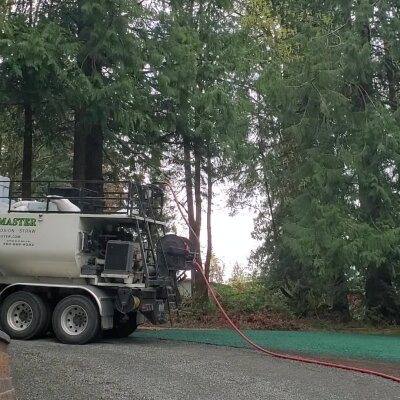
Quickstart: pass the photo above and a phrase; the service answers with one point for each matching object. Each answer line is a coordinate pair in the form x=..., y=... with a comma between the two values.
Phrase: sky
x=232, y=241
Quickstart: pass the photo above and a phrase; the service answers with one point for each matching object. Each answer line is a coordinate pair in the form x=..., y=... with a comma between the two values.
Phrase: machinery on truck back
x=86, y=257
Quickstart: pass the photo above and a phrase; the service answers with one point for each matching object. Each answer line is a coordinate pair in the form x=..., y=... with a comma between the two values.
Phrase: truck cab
x=81, y=258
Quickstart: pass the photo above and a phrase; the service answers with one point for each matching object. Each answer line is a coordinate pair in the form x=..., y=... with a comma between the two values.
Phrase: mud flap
x=154, y=312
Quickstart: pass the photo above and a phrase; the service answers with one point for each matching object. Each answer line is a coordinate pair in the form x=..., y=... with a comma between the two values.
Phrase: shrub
x=249, y=297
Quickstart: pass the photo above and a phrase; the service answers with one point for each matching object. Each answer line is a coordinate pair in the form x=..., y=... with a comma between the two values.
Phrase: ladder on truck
x=171, y=288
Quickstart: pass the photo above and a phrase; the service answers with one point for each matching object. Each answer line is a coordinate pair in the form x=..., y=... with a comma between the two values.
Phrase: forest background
x=291, y=106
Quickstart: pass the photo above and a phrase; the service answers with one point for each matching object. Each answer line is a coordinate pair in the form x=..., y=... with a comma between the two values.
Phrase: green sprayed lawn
x=379, y=347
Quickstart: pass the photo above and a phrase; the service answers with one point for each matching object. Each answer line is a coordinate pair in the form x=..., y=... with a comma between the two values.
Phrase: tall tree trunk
x=197, y=191
x=340, y=300
x=262, y=149
x=94, y=158
x=391, y=72
x=200, y=293
x=27, y=157
x=192, y=180
x=189, y=186
x=79, y=161
x=209, y=214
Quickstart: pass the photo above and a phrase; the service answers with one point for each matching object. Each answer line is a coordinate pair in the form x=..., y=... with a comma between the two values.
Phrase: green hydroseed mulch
x=379, y=347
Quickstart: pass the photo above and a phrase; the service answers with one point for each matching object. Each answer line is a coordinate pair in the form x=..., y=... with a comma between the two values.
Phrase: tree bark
x=189, y=186
x=200, y=293
x=27, y=158
x=88, y=135
x=94, y=159
x=79, y=161
x=340, y=301
x=209, y=214
x=391, y=72
x=197, y=191
x=192, y=179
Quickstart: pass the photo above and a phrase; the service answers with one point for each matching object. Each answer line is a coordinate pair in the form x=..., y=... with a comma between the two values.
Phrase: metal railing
x=90, y=197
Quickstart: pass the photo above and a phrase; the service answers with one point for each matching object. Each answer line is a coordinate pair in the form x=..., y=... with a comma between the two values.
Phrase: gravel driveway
x=139, y=369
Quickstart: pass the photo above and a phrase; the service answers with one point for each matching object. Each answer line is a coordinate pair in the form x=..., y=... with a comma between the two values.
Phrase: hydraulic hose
x=251, y=342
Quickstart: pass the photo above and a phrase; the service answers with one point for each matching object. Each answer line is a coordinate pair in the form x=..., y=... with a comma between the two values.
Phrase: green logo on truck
x=17, y=221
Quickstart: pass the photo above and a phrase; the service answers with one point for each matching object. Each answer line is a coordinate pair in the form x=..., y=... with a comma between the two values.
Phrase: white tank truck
x=81, y=258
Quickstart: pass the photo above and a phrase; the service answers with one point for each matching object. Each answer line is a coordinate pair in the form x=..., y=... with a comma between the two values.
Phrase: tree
x=323, y=156
x=107, y=91
x=375, y=140
x=10, y=145
x=239, y=274
x=33, y=68
x=199, y=99
x=217, y=270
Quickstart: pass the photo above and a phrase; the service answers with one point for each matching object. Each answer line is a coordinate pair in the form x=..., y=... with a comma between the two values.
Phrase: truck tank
x=40, y=245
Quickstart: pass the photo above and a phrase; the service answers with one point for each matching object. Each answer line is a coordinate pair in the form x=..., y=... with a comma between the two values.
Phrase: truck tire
x=76, y=320
x=124, y=325
x=24, y=315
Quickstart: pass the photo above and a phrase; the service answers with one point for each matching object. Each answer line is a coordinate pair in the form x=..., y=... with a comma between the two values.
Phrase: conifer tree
x=197, y=79
x=328, y=166
x=32, y=72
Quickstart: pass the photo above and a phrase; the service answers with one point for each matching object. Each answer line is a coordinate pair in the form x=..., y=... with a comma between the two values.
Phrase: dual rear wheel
x=75, y=319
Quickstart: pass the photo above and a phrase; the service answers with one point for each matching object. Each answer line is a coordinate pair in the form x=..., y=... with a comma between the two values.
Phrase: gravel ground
x=139, y=369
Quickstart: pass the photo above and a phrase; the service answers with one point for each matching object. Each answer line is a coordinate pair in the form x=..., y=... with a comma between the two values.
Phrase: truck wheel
x=24, y=315
x=76, y=320
x=124, y=325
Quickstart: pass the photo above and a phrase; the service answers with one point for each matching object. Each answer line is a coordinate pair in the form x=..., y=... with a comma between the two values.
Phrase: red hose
x=260, y=348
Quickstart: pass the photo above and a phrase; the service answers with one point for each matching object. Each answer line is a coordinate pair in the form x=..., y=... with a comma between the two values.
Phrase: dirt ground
x=265, y=320
x=276, y=321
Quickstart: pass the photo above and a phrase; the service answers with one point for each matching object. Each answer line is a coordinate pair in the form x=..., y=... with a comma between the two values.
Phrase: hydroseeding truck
x=79, y=258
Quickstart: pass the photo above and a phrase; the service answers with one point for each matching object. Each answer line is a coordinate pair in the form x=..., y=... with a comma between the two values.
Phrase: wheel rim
x=19, y=316
x=74, y=320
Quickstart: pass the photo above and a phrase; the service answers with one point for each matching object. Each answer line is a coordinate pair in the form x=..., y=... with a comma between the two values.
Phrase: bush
x=249, y=297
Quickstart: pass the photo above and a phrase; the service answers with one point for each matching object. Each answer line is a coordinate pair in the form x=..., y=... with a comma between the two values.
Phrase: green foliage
x=295, y=102
x=10, y=144
x=217, y=269
x=328, y=151
x=249, y=297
